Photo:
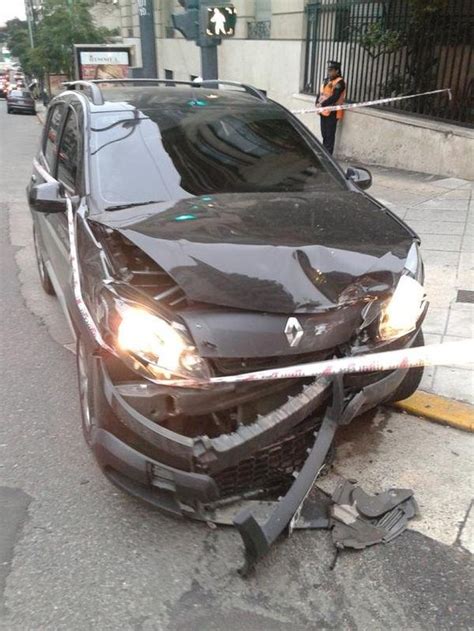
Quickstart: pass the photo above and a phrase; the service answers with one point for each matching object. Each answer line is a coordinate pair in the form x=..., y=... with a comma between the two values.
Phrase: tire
x=413, y=378
x=46, y=283
x=86, y=398
x=9, y=111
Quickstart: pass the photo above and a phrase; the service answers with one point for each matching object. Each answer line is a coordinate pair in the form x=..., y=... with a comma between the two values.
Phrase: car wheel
x=84, y=379
x=412, y=379
x=46, y=283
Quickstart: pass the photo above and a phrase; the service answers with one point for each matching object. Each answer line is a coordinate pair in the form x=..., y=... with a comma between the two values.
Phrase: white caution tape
x=448, y=354
x=351, y=106
x=76, y=280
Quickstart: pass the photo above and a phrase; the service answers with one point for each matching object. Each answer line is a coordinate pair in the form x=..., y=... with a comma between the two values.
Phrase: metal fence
x=394, y=47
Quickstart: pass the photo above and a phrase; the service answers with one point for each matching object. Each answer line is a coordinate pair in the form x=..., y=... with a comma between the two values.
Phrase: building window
x=260, y=28
x=169, y=74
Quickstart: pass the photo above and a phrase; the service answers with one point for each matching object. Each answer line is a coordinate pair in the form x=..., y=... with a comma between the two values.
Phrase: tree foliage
x=62, y=24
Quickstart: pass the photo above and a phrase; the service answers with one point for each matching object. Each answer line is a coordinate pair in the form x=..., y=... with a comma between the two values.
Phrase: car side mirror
x=48, y=197
x=360, y=176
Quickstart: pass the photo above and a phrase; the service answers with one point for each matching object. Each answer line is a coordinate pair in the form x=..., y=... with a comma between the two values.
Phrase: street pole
x=147, y=38
x=209, y=66
x=30, y=20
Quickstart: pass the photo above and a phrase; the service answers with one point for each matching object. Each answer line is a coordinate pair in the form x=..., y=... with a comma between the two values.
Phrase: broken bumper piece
x=359, y=520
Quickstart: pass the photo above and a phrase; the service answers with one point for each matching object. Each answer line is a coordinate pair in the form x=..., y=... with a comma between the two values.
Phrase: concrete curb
x=440, y=410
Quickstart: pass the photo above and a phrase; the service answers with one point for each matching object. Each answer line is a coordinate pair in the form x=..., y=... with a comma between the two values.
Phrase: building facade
x=387, y=48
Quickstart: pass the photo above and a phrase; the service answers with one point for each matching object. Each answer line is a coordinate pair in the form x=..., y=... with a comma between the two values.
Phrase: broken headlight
x=400, y=314
x=385, y=320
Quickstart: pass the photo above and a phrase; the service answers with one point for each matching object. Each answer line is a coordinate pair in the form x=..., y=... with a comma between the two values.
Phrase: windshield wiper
x=123, y=206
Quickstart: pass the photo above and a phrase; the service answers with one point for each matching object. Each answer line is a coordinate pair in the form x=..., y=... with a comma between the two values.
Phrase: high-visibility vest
x=327, y=91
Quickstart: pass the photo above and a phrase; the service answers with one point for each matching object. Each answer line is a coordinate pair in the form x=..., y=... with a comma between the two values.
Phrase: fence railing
x=394, y=47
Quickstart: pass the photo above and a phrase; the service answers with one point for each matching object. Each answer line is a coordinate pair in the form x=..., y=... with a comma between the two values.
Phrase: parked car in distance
x=19, y=100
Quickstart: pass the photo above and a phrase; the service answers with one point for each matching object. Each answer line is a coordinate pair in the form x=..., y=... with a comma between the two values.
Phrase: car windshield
x=176, y=152
x=21, y=93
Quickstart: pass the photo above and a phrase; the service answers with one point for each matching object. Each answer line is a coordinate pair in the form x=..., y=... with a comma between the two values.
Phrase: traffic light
x=204, y=21
x=187, y=21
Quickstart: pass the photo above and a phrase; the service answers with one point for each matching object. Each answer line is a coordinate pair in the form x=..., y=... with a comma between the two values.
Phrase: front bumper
x=193, y=476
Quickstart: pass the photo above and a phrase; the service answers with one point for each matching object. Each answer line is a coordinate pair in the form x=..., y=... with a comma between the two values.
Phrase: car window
x=51, y=137
x=172, y=153
x=22, y=93
x=68, y=155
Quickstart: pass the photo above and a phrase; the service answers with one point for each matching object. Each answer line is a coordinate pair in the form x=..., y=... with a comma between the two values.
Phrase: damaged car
x=198, y=231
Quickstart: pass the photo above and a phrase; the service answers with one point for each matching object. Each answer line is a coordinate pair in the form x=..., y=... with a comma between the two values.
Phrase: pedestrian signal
x=221, y=21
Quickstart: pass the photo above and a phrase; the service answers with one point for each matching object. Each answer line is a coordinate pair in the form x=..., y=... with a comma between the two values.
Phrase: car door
x=68, y=173
x=44, y=168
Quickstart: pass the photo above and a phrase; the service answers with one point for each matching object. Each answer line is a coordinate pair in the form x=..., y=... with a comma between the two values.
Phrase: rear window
x=197, y=150
x=21, y=93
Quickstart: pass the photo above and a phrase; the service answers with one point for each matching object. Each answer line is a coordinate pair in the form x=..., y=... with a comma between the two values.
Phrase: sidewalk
x=441, y=211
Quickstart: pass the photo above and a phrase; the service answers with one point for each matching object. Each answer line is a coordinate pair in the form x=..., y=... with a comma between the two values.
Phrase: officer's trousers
x=328, y=131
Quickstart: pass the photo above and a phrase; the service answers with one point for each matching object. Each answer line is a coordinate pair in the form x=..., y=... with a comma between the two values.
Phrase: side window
x=68, y=156
x=51, y=139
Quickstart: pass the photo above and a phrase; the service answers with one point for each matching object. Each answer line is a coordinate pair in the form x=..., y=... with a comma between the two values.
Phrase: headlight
x=155, y=345
x=401, y=313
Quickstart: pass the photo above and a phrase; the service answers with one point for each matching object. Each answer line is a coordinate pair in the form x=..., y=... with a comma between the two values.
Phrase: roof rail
x=250, y=89
x=98, y=99
x=96, y=94
x=206, y=82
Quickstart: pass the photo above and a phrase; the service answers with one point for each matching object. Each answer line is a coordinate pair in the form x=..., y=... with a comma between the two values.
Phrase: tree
x=17, y=38
x=65, y=23
x=62, y=24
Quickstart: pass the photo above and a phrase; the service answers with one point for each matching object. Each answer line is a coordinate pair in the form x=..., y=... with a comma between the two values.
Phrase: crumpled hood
x=276, y=253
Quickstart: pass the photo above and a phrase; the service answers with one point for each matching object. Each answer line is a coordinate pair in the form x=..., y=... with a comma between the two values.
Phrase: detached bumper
x=192, y=476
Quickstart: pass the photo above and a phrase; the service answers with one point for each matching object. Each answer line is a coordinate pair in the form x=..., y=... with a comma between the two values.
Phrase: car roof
x=118, y=98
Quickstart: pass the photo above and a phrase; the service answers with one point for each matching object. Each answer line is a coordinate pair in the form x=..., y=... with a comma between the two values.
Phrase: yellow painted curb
x=439, y=409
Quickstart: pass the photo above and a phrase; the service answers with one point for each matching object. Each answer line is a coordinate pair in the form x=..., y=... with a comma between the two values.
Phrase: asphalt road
x=77, y=554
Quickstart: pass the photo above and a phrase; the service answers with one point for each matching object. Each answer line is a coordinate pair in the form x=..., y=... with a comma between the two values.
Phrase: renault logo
x=293, y=331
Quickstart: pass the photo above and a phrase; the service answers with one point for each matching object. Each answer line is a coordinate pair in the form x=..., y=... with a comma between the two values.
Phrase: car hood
x=276, y=253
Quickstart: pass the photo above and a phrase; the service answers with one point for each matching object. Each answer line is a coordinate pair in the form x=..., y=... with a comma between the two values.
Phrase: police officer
x=333, y=91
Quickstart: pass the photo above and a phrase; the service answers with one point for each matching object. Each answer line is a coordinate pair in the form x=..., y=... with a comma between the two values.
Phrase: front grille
x=236, y=365
x=271, y=467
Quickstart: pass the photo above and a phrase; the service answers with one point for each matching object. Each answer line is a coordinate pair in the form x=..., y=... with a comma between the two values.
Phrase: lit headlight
x=401, y=313
x=156, y=345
